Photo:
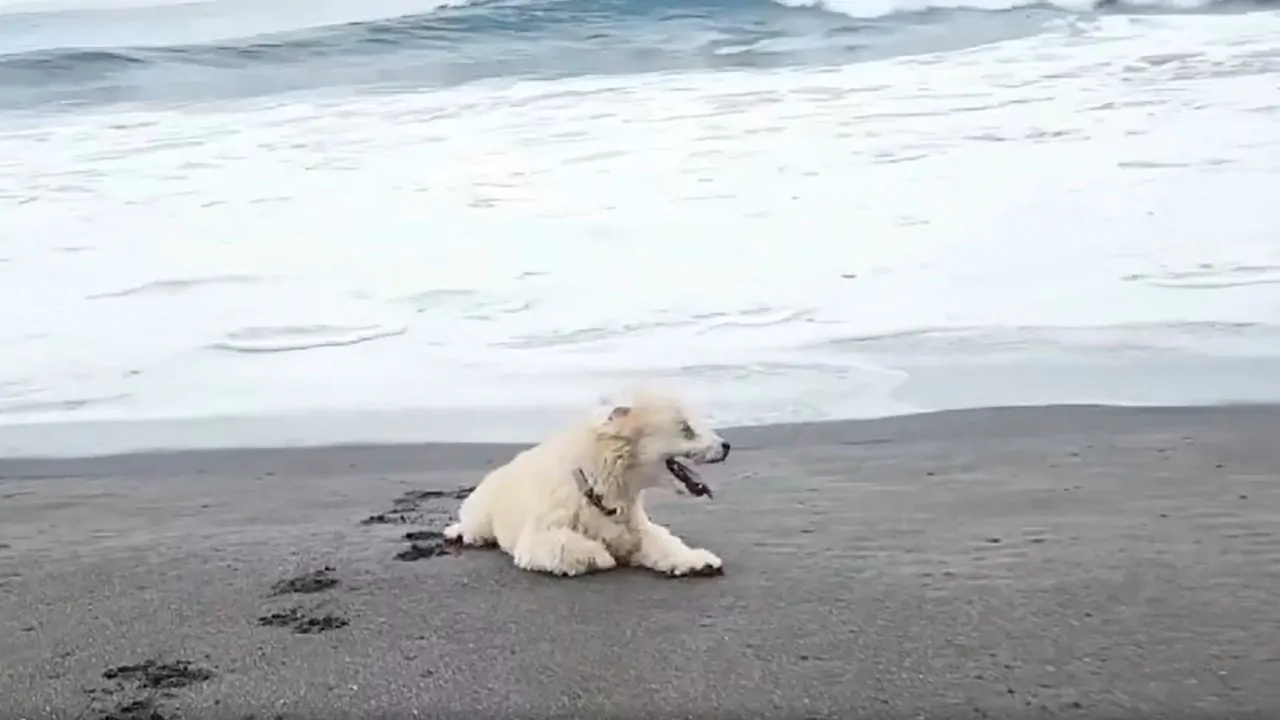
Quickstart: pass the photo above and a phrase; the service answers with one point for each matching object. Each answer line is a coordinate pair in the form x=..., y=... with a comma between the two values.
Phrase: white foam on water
x=881, y=8
x=1039, y=220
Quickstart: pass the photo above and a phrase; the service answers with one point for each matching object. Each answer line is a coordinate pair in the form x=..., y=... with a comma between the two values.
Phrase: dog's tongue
x=692, y=480
x=688, y=469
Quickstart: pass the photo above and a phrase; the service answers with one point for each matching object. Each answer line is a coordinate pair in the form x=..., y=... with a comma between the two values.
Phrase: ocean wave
x=460, y=42
x=883, y=8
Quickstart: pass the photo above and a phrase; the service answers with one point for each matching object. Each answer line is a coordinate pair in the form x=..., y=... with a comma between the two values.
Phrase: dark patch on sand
x=388, y=518
x=140, y=687
x=424, y=544
x=156, y=675
x=418, y=496
x=303, y=623
x=424, y=535
x=419, y=507
x=414, y=506
x=312, y=582
x=143, y=709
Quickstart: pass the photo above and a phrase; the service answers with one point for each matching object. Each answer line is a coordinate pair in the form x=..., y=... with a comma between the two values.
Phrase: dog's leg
x=662, y=551
x=471, y=537
x=474, y=527
x=560, y=551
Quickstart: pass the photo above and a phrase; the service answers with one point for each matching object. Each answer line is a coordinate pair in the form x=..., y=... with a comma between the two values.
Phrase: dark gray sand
x=1050, y=562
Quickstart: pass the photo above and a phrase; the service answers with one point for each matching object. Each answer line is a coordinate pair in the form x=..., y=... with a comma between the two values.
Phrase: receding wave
x=462, y=42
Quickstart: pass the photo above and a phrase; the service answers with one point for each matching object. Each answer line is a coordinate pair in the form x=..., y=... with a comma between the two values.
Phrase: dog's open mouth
x=688, y=477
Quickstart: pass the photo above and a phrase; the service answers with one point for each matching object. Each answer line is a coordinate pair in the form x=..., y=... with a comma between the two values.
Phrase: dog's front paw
x=574, y=567
x=603, y=561
x=455, y=535
x=697, y=563
x=568, y=564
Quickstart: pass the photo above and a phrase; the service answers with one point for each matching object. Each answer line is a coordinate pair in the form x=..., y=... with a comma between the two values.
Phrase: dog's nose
x=724, y=446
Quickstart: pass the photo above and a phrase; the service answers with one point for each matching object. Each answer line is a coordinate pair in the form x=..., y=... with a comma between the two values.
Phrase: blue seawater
x=65, y=56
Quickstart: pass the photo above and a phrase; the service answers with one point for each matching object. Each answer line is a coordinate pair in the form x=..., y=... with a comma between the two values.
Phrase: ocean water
x=291, y=221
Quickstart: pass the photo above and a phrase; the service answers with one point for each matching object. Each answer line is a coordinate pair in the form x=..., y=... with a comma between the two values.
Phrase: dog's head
x=667, y=439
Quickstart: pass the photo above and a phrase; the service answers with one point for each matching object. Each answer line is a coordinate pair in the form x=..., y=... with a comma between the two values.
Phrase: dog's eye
x=687, y=431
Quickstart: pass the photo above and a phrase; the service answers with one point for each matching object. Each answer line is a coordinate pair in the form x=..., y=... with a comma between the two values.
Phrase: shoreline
x=926, y=386
x=99, y=432
x=1061, y=561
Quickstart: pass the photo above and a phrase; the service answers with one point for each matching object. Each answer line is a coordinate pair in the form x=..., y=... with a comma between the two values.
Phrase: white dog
x=572, y=504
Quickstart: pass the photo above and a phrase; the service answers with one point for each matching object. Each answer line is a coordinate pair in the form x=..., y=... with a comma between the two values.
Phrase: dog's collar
x=591, y=495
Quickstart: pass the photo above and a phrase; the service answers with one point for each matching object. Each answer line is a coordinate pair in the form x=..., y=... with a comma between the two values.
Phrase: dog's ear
x=620, y=411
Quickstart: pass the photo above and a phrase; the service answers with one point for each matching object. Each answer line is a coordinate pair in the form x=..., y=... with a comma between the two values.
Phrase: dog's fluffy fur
x=537, y=509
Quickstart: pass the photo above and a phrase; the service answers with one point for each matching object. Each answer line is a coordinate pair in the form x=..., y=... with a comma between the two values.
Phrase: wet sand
x=1036, y=562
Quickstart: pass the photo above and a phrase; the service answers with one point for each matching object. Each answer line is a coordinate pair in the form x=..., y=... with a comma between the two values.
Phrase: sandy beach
x=1035, y=562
